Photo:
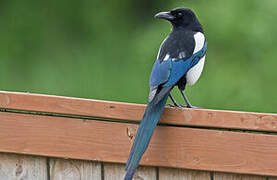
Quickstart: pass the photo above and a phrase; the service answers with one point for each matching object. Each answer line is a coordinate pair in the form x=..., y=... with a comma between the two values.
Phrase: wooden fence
x=51, y=137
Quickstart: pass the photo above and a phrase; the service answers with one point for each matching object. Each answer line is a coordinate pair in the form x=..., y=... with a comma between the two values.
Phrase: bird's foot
x=192, y=107
x=186, y=106
x=174, y=105
x=183, y=106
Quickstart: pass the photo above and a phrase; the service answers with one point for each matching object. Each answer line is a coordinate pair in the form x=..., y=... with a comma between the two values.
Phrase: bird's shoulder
x=179, y=45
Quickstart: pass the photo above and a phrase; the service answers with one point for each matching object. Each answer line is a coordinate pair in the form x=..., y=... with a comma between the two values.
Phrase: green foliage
x=106, y=49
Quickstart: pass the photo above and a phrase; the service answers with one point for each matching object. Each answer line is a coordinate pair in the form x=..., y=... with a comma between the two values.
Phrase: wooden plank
x=228, y=176
x=182, y=174
x=272, y=178
x=61, y=169
x=117, y=171
x=177, y=147
x=22, y=167
x=134, y=112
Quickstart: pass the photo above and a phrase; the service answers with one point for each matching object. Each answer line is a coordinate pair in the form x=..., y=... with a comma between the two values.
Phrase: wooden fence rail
x=187, y=144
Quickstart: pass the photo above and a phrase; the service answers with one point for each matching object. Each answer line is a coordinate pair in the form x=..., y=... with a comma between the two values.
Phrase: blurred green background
x=106, y=49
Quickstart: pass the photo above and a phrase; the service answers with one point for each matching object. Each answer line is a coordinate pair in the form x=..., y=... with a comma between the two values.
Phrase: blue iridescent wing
x=160, y=72
x=168, y=72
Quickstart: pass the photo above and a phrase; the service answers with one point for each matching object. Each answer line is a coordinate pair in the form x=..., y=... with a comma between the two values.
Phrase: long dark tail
x=145, y=131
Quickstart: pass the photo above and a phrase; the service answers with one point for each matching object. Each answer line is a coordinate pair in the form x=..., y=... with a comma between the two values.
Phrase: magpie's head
x=179, y=17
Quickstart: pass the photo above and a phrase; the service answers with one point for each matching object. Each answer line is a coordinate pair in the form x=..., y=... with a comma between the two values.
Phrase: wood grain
x=117, y=171
x=22, y=167
x=188, y=148
x=134, y=112
x=62, y=169
x=182, y=174
x=272, y=178
x=228, y=176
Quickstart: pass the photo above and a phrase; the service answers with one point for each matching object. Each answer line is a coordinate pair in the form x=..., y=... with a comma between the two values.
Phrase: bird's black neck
x=193, y=26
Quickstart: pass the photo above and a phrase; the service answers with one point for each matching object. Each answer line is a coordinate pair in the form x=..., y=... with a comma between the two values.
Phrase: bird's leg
x=173, y=101
x=186, y=99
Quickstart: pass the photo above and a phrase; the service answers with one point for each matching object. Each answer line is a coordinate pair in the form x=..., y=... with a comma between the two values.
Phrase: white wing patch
x=167, y=56
x=152, y=93
x=199, y=39
x=161, y=47
x=194, y=73
x=182, y=55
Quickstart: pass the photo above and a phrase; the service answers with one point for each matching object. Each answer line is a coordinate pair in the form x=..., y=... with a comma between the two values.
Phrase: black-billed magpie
x=180, y=61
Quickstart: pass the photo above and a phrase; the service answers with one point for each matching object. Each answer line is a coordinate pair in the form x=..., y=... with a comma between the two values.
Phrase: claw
x=193, y=107
x=183, y=106
x=173, y=105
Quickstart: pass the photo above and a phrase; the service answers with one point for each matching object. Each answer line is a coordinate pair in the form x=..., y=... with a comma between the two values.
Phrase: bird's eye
x=180, y=14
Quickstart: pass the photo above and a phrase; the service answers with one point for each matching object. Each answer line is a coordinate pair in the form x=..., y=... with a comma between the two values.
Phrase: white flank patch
x=199, y=39
x=194, y=73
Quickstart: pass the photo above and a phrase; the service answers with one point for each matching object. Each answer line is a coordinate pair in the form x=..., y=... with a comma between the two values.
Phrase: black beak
x=165, y=15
